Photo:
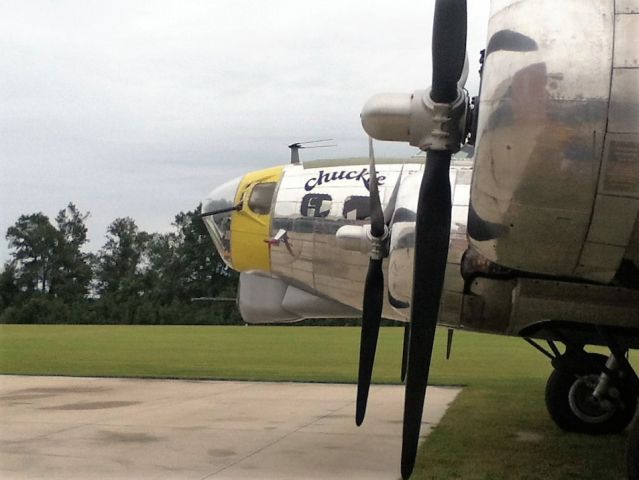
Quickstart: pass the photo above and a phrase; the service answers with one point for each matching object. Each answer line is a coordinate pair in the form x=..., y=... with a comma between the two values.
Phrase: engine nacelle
x=557, y=150
x=264, y=299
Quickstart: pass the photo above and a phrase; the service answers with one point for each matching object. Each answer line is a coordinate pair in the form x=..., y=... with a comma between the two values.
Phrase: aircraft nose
x=238, y=217
x=216, y=214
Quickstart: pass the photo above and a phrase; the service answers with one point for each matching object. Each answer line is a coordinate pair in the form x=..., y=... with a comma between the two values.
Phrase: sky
x=140, y=108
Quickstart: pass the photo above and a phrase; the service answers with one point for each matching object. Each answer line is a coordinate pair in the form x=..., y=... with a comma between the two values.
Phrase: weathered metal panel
x=599, y=261
x=626, y=6
x=620, y=170
x=626, y=38
x=538, y=300
x=543, y=113
x=624, y=100
x=613, y=220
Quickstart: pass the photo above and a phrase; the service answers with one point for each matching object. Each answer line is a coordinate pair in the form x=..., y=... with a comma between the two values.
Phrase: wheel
x=573, y=408
x=632, y=452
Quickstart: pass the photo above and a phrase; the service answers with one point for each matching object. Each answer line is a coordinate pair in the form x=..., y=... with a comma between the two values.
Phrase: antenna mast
x=295, y=148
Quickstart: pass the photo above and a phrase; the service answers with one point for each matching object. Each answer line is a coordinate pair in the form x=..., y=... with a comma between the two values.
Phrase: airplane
x=537, y=237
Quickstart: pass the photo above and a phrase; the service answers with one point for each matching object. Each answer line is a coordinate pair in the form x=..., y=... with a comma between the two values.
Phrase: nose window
x=221, y=200
x=261, y=198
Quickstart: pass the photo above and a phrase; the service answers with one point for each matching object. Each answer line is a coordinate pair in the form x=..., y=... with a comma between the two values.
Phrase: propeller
x=373, y=292
x=405, y=352
x=432, y=229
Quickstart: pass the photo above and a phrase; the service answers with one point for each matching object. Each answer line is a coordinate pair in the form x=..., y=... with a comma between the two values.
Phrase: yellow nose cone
x=251, y=226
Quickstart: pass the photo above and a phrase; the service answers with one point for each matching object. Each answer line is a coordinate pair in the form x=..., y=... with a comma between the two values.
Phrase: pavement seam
x=44, y=435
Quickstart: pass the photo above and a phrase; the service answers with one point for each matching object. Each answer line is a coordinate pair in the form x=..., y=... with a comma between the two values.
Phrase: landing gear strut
x=584, y=394
x=595, y=394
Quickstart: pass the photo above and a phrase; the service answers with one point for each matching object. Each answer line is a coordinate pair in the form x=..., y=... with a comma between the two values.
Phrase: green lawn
x=496, y=429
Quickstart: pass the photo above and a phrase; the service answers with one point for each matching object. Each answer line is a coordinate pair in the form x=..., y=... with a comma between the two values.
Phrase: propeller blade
x=373, y=295
x=405, y=351
x=449, y=342
x=390, y=206
x=449, y=49
x=371, y=318
x=432, y=227
x=432, y=232
x=464, y=75
x=377, y=214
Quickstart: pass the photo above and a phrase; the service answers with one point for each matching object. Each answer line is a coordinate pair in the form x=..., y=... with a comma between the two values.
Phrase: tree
x=120, y=259
x=34, y=242
x=164, y=271
x=184, y=264
x=72, y=273
x=204, y=274
x=140, y=278
x=8, y=286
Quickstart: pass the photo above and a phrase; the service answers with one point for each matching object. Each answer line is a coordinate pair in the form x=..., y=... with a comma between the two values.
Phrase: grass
x=498, y=427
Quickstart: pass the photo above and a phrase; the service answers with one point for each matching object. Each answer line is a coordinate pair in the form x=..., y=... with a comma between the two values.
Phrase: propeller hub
x=417, y=119
x=446, y=129
x=359, y=238
x=378, y=244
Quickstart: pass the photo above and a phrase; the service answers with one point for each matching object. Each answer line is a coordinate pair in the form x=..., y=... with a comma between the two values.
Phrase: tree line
x=135, y=277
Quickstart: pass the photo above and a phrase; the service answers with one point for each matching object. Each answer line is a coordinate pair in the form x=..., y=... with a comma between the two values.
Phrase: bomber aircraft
x=537, y=236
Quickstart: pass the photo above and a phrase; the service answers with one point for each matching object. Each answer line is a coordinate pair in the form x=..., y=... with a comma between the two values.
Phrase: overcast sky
x=140, y=108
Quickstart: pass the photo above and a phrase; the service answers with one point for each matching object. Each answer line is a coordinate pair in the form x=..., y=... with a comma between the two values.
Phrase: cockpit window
x=261, y=198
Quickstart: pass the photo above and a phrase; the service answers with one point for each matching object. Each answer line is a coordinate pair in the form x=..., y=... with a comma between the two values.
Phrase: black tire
x=571, y=405
x=632, y=452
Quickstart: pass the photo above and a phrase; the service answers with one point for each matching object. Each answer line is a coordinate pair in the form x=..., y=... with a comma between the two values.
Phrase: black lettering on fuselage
x=356, y=208
x=327, y=177
x=316, y=205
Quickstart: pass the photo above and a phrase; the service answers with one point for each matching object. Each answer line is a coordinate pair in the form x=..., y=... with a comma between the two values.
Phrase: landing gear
x=583, y=394
x=632, y=452
x=591, y=393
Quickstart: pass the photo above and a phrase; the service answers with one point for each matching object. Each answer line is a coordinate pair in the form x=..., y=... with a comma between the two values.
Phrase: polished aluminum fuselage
x=314, y=200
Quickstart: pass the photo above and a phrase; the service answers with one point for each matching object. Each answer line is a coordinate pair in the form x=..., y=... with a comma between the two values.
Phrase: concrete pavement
x=98, y=428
